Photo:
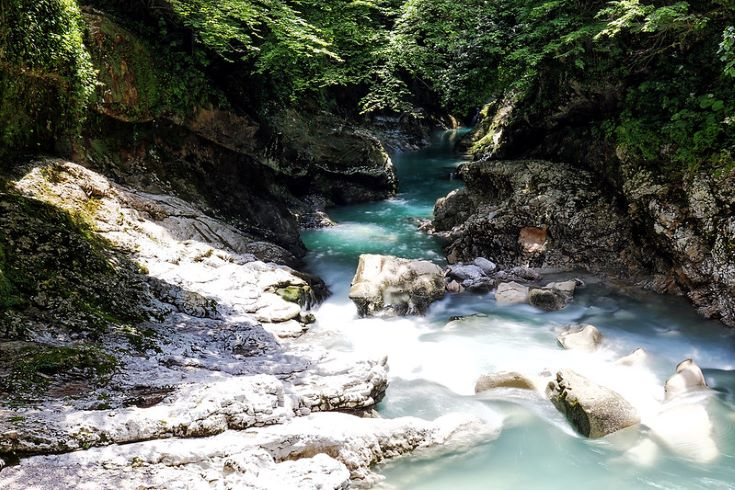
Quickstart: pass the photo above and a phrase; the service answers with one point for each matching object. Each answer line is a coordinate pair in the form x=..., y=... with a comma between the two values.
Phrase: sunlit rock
x=593, y=410
x=580, y=337
x=685, y=427
x=688, y=377
x=635, y=358
x=511, y=293
x=503, y=380
x=386, y=286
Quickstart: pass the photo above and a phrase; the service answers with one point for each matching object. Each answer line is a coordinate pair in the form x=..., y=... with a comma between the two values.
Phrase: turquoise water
x=434, y=364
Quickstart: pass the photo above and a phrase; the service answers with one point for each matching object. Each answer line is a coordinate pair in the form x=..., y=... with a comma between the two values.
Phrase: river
x=434, y=363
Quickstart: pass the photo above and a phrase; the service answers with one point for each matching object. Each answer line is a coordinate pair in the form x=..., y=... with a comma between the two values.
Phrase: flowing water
x=434, y=363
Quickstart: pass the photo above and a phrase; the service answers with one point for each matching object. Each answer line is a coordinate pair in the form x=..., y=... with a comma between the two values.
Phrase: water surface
x=434, y=363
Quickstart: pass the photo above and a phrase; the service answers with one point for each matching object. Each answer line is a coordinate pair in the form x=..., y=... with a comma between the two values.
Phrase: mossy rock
x=295, y=294
x=31, y=368
x=56, y=274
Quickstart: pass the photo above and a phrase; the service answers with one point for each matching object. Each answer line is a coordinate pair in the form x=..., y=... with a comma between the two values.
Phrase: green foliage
x=46, y=76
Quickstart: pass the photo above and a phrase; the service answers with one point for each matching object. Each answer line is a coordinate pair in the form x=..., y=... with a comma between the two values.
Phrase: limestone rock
x=510, y=293
x=580, y=337
x=593, y=410
x=688, y=377
x=385, y=286
x=503, y=380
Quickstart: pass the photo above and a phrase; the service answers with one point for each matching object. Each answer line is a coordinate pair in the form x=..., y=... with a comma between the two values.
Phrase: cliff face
x=263, y=170
x=682, y=221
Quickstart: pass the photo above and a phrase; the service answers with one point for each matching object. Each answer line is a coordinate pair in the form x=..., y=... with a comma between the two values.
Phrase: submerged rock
x=580, y=337
x=510, y=293
x=593, y=410
x=386, y=286
x=503, y=380
x=688, y=377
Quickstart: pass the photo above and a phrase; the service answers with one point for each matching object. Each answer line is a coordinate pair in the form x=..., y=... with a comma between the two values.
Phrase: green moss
x=294, y=294
x=55, y=271
x=35, y=367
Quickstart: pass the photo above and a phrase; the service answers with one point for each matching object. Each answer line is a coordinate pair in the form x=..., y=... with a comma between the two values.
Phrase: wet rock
x=503, y=380
x=688, y=377
x=580, y=337
x=385, y=286
x=546, y=299
x=635, y=358
x=454, y=287
x=511, y=293
x=593, y=410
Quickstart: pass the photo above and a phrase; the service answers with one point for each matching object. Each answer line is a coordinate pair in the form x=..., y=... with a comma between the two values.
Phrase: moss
x=294, y=294
x=35, y=367
x=56, y=272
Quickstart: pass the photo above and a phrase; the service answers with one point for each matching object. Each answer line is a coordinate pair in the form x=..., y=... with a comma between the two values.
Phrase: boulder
x=454, y=287
x=565, y=288
x=547, y=299
x=688, y=377
x=510, y=293
x=463, y=272
x=635, y=358
x=503, y=379
x=386, y=286
x=487, y=266
x=580, y=337
x=593, y=410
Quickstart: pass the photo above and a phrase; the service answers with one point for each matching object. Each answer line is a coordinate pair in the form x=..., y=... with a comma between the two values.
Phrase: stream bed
x=434, y=363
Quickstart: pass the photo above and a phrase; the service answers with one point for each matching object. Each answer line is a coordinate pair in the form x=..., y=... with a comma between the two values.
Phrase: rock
x=487, y=266
x=385, y=286
x=452, y=210
x=454, y=287
x=276, y=310
x=635, y=358
x=536, y=213
x=546, y=299
x=503, y=380
x=593, y=410
x=480, y=285
x=686, y=428
x=580, y=337
x=510, y=293
x=688, y=377
x=463, y=272
x=319, y=451
x=565, y=288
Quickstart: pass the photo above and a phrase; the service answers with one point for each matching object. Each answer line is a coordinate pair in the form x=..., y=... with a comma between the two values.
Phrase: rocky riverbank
x=221, y=352
x=547, y=214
